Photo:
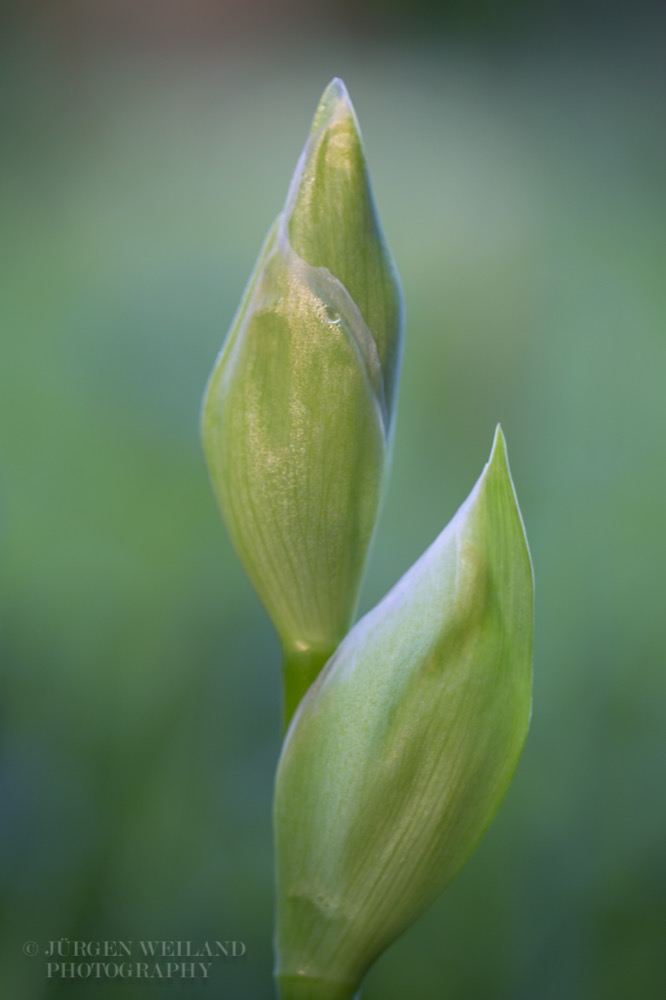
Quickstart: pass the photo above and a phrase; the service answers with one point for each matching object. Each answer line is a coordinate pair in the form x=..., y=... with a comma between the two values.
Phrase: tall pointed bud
x=403, y=748
x=299, y=408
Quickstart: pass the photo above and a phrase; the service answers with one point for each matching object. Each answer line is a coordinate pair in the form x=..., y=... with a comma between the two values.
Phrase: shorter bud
x=403, y=749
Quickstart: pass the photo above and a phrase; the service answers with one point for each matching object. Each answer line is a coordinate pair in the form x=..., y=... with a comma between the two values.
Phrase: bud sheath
x=403, y=748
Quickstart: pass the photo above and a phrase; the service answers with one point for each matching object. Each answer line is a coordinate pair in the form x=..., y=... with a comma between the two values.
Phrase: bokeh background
x=518, y=156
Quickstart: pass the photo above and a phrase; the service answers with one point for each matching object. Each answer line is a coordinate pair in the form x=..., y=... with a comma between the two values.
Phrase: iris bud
x=298, y=412
x=403, y=748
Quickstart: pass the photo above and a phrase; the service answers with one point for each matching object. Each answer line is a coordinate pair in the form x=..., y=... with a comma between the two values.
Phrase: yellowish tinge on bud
x=403, y=749
x=333, y=223
x=298, y=411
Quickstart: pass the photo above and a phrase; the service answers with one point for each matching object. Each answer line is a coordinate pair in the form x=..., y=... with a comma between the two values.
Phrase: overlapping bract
x=404, y=747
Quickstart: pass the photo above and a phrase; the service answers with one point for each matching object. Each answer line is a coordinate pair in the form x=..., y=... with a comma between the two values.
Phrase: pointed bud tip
x=498, y=449
x=498, y=460
x=337, y=89
x=334, y=101
x=498, y=471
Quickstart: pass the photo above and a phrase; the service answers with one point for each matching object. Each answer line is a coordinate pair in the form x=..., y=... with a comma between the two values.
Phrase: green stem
x=301, y=988
x=299, y=669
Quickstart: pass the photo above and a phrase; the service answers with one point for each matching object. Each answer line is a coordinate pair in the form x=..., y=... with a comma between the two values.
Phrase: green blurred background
x=518, y=155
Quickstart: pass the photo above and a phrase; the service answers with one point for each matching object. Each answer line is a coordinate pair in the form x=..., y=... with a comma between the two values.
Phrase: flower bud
x=403, y=748
x=298, y=411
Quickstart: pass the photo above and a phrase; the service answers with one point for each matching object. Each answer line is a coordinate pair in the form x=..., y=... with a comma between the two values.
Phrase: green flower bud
x=298, y=411
x=404, y=747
